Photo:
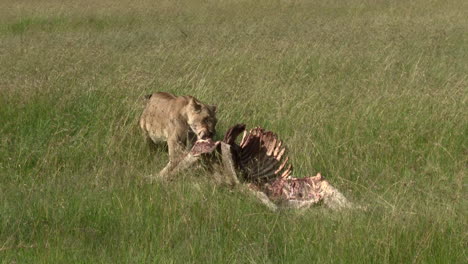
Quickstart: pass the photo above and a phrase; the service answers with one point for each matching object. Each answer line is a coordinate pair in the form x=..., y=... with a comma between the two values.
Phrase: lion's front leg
x=177, y=151
x=177, y=148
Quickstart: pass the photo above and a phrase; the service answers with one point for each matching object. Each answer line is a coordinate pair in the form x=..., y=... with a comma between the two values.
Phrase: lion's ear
x=214, y=108
x=195, y=105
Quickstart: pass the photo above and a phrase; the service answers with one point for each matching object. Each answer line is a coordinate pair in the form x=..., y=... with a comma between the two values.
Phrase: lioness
x=179, y=120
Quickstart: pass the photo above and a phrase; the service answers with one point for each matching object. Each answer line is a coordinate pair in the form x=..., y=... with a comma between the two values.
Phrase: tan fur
x=178, y=120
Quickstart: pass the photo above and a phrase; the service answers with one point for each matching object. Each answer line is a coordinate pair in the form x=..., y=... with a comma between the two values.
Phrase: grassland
x=370, y=93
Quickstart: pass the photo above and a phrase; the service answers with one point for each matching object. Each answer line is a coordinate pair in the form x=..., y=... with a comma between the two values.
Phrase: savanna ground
x=372, y=94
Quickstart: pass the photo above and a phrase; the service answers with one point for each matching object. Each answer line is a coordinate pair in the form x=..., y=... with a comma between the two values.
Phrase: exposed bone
x=261, y=155
x=279, y=151
x=281, y=167
x=233, y=133
x=280, y=154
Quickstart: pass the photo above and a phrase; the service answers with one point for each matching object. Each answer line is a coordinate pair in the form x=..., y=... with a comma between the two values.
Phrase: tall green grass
x=372, y=94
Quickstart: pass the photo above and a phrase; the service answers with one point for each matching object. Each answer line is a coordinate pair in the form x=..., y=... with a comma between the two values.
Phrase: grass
x=370, y=93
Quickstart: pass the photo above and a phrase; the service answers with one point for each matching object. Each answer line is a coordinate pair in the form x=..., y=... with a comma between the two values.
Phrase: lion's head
x=201, y=118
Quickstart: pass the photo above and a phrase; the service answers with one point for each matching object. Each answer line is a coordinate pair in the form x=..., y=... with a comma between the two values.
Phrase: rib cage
x=260, y=154
x=261, y=159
